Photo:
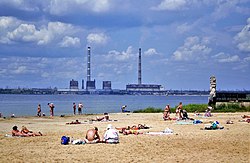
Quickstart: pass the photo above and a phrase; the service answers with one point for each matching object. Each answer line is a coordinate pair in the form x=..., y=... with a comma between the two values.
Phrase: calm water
x=26, y=105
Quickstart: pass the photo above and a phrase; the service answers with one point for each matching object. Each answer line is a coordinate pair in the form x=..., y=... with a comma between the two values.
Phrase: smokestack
x=88, y=64
x=139, y=67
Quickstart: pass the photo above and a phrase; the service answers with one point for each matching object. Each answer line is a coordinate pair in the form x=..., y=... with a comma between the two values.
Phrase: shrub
x=149, y=110
x=199, y=108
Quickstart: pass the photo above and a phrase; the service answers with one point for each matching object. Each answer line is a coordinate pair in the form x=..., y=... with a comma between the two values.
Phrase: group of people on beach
x=52, y=107
x=110, y=136
x=24, y=132
x=180, y=113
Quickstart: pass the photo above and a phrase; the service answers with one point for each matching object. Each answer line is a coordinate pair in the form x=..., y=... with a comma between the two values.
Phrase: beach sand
x=188, y=143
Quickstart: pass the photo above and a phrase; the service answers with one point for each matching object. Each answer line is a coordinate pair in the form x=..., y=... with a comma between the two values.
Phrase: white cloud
x=97, y=38
x=243, y=38
x=150, y=52
x=120, y=56
x=223, y=8
x=171, y=5
x=183, y=28
x=247, y=59
x=226, y=58
x=16, y=31
x=194, y=49
x=63, y=7
x=70, y=42
x=20, y=4
x=24, y=32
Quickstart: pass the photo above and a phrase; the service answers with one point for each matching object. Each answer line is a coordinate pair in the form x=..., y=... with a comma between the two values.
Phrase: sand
x=188, y=143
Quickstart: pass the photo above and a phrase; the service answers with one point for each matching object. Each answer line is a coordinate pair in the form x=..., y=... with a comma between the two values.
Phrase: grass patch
x=149, y=110
x=199, y=108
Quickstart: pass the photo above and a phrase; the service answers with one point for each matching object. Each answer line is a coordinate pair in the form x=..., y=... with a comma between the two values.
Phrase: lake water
x=26, y=105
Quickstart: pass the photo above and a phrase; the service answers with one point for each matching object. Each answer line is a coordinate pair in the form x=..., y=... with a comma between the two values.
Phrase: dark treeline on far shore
x=50, y=91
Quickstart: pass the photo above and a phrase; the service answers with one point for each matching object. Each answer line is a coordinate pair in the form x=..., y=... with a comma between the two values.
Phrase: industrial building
x=143, y=88
x=106, y=85
x=73, y=84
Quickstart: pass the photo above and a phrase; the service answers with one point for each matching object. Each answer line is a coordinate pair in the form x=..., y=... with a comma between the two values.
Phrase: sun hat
x=109, y=126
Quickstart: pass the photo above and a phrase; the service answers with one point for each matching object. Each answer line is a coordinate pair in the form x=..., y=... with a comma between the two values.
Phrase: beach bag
x=65, y=140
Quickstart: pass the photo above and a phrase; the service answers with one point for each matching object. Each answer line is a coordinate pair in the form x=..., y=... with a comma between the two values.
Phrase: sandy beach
x=188, y=143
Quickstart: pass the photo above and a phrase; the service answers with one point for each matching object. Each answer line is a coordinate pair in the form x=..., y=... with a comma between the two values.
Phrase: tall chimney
x=139, y=67
x=88, y=65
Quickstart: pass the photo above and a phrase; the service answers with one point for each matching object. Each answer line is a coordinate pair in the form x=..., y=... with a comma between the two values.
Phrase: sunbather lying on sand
x=24, y=132
x=214, y=126
x=76, y=122
x=131, y=131
x=246, y=118
x=134, y=127
x=104, y=118
x=229, y=122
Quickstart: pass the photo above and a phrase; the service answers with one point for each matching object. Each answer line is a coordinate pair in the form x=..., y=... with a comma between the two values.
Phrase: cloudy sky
x=44, y=43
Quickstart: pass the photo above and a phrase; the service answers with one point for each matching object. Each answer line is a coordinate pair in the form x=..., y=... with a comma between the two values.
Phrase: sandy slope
x=188, y=143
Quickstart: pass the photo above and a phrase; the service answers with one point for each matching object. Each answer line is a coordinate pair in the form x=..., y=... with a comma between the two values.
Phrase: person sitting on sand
x=166, y=113
x=92, y=136
x=179, y=111
x=73, y=122
x=123, y=108
x=185, y=115
x=111, y=135
x=208, y=112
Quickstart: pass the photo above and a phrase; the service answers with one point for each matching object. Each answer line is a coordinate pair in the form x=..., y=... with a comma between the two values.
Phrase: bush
x=149, y=110
x=231, y=108
x=199, y=108
x=195, y=107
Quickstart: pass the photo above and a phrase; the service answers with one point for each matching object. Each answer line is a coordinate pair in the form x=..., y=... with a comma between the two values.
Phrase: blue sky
x=44, y=43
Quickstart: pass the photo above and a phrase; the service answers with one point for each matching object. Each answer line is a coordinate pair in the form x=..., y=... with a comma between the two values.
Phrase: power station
x=139, y=88
x=143, y=88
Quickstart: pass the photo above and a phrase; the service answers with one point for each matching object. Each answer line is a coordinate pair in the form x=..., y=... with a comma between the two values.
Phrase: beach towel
x=184, y=122
x=158, y=133
x=167, y=131
x=78, y=142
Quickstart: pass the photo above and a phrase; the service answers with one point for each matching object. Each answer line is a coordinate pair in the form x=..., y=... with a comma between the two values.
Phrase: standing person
x=39, y=110
x=179, y=110
x=80, y=106
x=74, y=108
x=51, y=106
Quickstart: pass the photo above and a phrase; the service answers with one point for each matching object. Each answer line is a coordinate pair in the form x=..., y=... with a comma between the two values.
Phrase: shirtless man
x=92, y=136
